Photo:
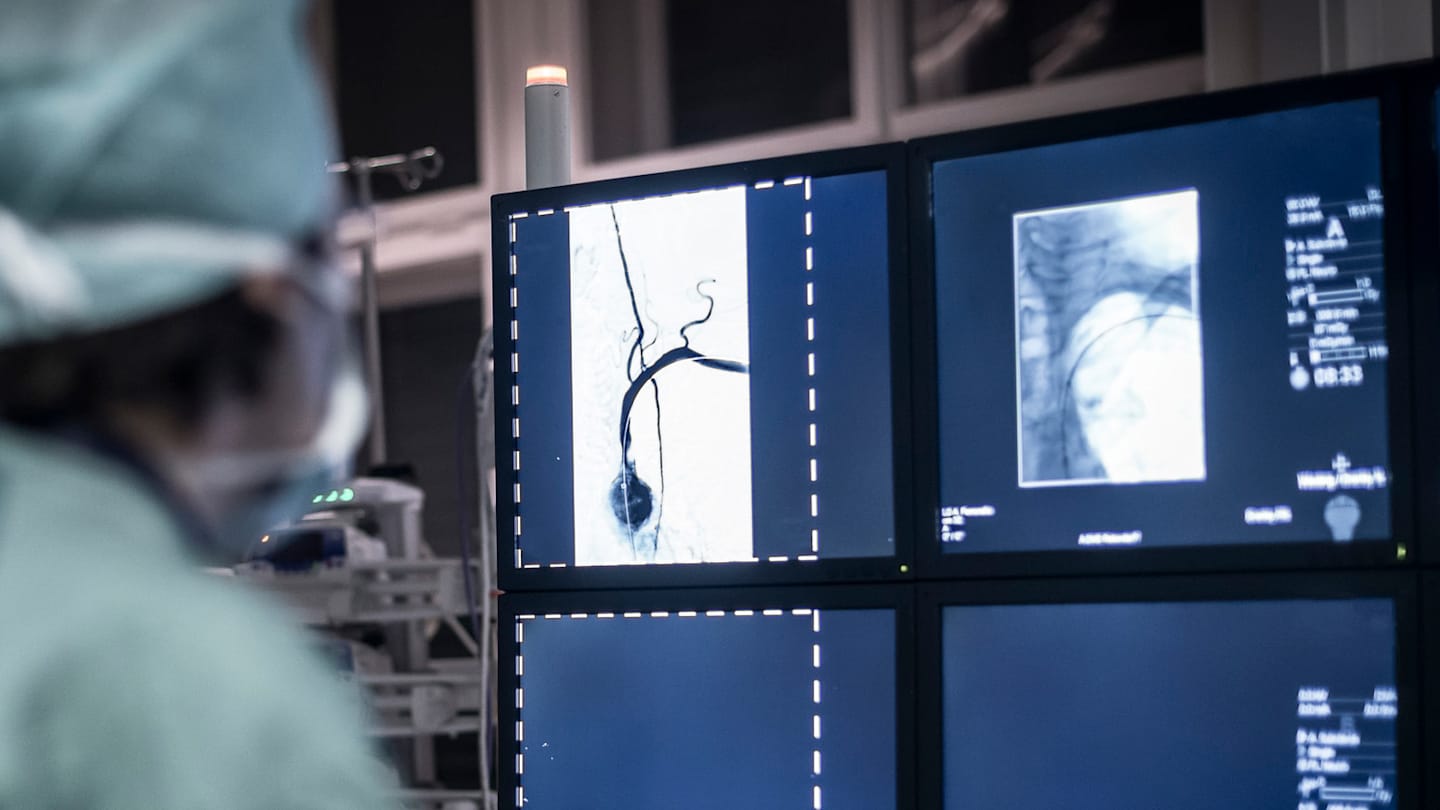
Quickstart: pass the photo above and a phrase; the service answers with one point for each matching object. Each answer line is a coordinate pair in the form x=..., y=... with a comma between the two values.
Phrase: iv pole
x=411, y=170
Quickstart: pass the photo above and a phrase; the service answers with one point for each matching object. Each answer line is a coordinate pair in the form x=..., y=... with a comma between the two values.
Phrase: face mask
x=265, y=489
x=262, y=489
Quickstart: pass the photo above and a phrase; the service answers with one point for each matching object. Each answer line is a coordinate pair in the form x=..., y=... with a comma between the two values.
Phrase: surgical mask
x=266, y=488
x=262, y=489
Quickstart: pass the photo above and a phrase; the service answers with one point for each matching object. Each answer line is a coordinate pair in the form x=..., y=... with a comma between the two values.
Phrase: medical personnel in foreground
x=173, y=380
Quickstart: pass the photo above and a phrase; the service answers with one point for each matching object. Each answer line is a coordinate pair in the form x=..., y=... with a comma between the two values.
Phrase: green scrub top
x=130, y=679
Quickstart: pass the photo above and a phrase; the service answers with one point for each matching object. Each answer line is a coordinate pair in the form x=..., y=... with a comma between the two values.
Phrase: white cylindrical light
x=547, y=126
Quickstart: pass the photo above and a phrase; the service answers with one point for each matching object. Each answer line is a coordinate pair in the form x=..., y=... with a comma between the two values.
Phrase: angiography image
x=1110, y=380
x=660, y=368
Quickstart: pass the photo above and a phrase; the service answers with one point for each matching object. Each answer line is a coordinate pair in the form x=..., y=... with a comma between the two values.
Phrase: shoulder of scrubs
x=130, y=679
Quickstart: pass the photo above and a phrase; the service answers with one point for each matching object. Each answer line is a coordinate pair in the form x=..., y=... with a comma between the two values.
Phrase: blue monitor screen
x=1168, y=338
x=703, y=376
x=1186, y=706
x=707, y=711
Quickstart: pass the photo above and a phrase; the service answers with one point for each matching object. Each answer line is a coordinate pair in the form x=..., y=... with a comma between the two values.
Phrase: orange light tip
x=546, y=74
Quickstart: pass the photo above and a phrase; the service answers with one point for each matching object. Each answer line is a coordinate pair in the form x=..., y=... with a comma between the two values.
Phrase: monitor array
x=1071, y=463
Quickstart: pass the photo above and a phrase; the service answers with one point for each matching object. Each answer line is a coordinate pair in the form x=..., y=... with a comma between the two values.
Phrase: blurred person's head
x=164, y=278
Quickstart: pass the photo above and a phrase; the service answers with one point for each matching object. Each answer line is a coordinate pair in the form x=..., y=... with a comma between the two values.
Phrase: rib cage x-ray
x=660, y=369
x=1108, y=345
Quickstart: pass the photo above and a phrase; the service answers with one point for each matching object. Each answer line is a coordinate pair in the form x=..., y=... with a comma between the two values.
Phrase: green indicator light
x=318, y=499
x=333, y=496
x=347, y=494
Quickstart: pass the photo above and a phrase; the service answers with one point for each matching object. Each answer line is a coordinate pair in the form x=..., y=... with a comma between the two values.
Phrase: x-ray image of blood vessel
x=1107, y=321
x=660, y=368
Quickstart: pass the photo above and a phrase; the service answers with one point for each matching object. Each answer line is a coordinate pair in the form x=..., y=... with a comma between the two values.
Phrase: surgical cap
x=152, y=152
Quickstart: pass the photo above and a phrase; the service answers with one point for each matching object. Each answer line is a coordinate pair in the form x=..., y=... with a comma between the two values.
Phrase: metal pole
x=370, y=308
x=411, y=170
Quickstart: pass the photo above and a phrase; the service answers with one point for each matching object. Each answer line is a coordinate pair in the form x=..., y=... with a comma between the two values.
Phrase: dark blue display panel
x=1186, y=706
x=704, y=376
x=710, y=711
x=1170, y=338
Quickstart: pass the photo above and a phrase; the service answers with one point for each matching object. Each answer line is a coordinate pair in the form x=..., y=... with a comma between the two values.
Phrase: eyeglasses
x=316, y=273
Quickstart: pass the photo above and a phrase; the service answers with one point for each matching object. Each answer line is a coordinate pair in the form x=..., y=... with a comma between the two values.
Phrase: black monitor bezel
x=897, y=597
x=1423, y=172
x=887, y=157
x=1428, y=638
x=1386, y=85
x=1400, y=586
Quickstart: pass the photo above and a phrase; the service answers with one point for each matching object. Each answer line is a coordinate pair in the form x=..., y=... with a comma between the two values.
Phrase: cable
x=464, y=413
x=484, y=388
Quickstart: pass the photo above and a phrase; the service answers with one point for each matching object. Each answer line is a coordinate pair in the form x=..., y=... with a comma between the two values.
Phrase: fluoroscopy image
x=1121, y=321
x=660, y=346
x=1108, y=348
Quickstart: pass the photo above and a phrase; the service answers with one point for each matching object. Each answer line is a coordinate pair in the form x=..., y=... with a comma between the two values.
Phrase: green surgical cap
x=151, y=153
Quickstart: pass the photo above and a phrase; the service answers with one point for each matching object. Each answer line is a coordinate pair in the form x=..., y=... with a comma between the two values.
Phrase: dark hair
x=177, y=362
